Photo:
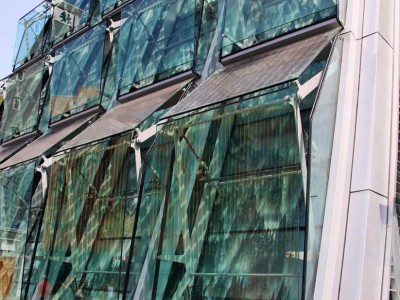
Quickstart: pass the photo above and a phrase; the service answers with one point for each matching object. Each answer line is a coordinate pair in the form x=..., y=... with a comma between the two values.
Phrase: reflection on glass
x=15, y=197
x=69, y=16
x=248, y=23
x=109, y=5
x=23, y=101
x=77, y=72
x=232, y=218
x=322, y=130
x=82, y=237
x=32, y=34
x=157, y=40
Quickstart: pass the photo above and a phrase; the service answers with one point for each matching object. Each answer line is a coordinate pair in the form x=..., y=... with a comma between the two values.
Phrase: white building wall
x=354, y=260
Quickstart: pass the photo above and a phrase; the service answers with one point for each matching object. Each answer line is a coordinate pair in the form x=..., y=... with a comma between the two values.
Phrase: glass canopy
x=248, y=23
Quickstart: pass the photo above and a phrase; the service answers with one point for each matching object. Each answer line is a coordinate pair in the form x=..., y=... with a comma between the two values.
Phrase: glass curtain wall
x=91, y=197
x=248, y=22
x=77, y=74
x=231, y=208
x=32, y=35
x=16, y=190
x=156, y=40
x=23, y=101
x=69, y=16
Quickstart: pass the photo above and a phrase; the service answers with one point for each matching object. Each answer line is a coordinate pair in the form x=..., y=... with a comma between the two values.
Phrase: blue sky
x=11, y=12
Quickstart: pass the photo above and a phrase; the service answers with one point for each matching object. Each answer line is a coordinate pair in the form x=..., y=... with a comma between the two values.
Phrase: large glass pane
x=156, y=41
x=248, y=23
x=76, y=81
x=69, y=16
x=32, y=34
x=232, y=218
x=23, y=101
x=15, y=197
x=79, y=250
x=322, y=130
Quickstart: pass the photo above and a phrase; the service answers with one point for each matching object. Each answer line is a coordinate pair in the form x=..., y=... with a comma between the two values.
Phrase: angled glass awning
x=32, y=34
x=49, y=141
x=126, y=117
x=8, y=150
x=23, y=99
x=275, y=67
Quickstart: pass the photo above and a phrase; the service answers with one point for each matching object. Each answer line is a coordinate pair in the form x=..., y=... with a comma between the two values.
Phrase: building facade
x=202, y=149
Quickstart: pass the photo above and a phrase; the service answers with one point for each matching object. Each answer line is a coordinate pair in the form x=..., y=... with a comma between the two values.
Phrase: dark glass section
x=23, y=101
x=77, y=73
x=69, y=16
x=248, y=23
x=16, y=186
x=32, y=35
x=79, y=251
x=108, y=5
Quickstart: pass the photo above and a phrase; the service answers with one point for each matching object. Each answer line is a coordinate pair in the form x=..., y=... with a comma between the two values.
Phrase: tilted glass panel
x=157, y=40
x=232, y=221
x=152, y=198
x=23, y=101
x=69, y=16
x=15, y=197
x=248, y=23
x=32, y=34
x=322, y=130
x=208, y=24
x=76, y=81
x=80, y=246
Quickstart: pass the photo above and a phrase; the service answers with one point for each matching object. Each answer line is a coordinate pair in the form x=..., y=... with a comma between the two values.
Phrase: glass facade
x=16, y=191
x=32, y=34
x=68, y=17
x=248, y=23
x=23, y=101
x=77, y=73
x=208, y=182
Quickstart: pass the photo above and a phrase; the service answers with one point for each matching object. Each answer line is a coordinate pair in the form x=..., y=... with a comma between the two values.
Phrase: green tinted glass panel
x=32, y=34
x=157, y=40
x=81, y=240
x=76, y=81
x=69, y=16
x=231, y=222
x=248, y=23
x=15, y=198
x=23, y=101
